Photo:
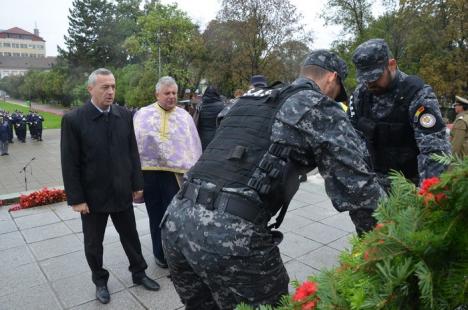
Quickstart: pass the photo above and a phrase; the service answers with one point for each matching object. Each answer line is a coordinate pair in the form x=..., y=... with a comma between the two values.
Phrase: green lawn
x=50, y=120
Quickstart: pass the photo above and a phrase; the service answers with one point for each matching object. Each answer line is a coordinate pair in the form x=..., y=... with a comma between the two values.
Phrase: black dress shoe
x=102, y=294
x=148, y=283
x=160, y=263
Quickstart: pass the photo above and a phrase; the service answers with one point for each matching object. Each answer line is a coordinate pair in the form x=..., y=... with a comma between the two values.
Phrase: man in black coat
x=102, y=175
x=210, y=107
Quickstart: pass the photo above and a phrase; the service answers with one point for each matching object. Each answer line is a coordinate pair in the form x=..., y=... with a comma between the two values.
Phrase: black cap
x=331, y=62
x=258, y=81
x=371, y=59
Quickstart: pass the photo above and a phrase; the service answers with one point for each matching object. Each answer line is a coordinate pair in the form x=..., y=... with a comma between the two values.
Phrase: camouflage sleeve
x=337, y=150
x=353, y=105
x=429, y=132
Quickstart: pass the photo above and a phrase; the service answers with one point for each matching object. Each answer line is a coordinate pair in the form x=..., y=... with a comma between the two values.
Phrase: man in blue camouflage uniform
x=398, y=115
x=216, y=238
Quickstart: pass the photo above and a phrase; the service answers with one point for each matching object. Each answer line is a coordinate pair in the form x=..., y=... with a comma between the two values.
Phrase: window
x=6, y=44
x=24, y=46
x=41, y=47
x=16, y=54
x=6, y=54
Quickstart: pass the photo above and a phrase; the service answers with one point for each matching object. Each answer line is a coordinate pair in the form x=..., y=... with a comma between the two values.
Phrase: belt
x=231, y=203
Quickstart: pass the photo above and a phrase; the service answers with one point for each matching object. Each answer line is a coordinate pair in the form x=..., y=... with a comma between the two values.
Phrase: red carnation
x=306, y=289
x=427, y=184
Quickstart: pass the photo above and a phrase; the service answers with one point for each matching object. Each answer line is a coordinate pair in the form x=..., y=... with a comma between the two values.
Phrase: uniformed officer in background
x=19, y=121
x=4, y=133
x=398, y=114
x=459, y=132
x=218, y=245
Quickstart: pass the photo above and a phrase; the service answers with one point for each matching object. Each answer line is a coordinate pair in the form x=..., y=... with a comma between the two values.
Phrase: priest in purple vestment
x=169, y=146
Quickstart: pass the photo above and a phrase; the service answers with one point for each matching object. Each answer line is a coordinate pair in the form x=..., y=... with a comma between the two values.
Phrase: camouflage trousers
x=363, y=220
x=218, y=260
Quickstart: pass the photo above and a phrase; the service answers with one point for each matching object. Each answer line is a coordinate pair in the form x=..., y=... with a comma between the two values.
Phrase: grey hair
x=101, y=71
x=165, y=81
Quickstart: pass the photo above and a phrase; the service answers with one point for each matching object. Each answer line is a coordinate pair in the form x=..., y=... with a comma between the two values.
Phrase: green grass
x=51, y=121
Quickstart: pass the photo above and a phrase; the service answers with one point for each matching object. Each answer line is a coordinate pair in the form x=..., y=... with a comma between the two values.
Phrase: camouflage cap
x=331, y=62
x=370, y=59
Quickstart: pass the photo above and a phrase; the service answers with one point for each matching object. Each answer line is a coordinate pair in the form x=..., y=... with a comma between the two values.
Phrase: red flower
x=428, y=196
x=427, y=184
x=42, y=197
x=306, y=289
x=379, y=226
x=309, y=305
x=366, y=255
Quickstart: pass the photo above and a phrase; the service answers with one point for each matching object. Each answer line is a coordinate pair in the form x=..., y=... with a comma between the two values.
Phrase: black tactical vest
x=391, y=140
x=241, y=155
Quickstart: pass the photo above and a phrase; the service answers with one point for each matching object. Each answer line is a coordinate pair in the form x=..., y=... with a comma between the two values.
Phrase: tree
x=262, y=26
x=284, y=63
x=170, y=41
x=97, y=32
x=352, y=15
x=246, y=37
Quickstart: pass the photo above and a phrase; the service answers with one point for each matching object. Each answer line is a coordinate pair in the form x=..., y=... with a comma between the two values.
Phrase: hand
x=82, y=208
x=138, y=195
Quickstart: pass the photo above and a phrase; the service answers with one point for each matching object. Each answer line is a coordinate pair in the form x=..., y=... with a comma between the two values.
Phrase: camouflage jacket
x=425, y=118
x=321, y=135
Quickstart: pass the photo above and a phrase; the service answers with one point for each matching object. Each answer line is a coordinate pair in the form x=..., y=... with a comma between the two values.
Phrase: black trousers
x=94, y=227
x=159, y=189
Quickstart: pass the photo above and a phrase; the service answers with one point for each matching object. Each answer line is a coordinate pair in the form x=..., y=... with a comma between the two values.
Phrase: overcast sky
x=51, y=17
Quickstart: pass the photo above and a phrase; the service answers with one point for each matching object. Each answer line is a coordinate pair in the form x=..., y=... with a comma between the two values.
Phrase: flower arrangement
x=39, y=198
x=415, y=258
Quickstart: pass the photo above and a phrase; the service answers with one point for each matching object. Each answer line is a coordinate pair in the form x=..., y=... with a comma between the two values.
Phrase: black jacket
x=100, y=161
x=210, y=107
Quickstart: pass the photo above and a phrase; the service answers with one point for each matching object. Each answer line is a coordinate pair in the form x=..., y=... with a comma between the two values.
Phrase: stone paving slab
x=11, y=240
x=18, y=277
x=78, y=289
x=40, y=297
x=42, y=263
x=56, y=247
x=43, y=171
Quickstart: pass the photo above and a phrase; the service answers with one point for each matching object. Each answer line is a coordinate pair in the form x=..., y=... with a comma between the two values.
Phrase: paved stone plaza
x=42, y=262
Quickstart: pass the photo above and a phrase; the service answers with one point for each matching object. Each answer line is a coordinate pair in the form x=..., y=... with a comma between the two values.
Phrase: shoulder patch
x=427, y=120
x=418, y=112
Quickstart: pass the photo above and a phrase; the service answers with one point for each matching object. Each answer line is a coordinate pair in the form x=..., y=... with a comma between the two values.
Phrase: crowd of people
x=211, y=186
x=18, y=123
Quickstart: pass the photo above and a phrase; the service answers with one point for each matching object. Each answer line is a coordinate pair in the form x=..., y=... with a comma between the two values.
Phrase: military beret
x=331, y=62
x=370, y=59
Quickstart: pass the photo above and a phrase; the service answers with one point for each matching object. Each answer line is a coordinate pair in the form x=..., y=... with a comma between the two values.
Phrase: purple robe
x=167, y=140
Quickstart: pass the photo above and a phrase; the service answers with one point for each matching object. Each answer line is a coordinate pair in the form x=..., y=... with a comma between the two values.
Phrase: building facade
x=21, y=51
x=21, y=43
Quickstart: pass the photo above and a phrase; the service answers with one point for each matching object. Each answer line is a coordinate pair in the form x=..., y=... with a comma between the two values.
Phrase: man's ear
x=332, y=77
